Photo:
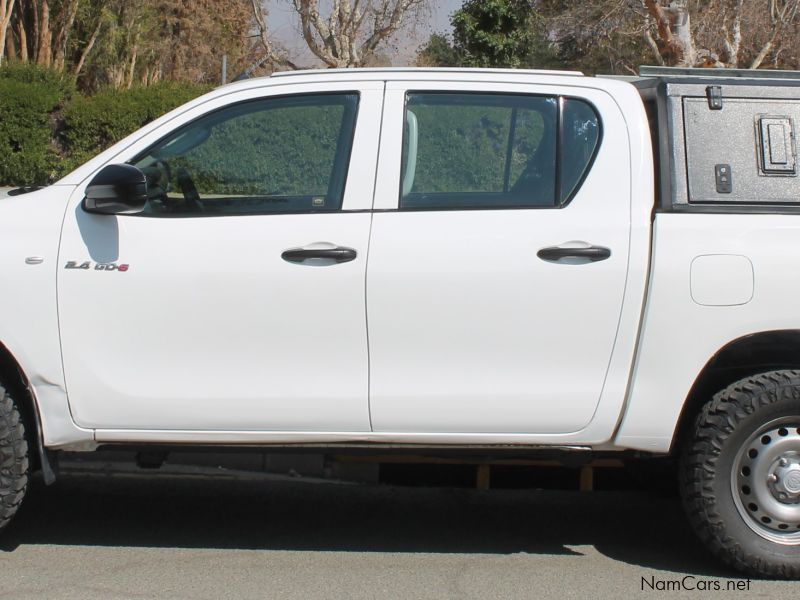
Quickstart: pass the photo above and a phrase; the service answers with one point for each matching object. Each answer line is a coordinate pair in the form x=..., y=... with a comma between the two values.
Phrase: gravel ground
x=198, y=537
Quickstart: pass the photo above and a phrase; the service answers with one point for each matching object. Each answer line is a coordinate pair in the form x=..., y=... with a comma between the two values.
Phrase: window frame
x=340, y=160
x=560, y=201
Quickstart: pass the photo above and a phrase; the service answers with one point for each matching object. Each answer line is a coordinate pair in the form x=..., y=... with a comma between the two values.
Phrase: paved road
x=124, y=537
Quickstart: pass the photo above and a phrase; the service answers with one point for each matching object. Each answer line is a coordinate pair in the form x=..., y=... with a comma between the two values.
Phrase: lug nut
x=772, y=478
x=783, y=462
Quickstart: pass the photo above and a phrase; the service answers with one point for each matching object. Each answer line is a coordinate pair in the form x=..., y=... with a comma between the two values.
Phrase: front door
x=235, y=302
x=497, y=271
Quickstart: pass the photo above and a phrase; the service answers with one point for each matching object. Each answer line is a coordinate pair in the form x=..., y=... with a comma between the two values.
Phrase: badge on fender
x=87, y=265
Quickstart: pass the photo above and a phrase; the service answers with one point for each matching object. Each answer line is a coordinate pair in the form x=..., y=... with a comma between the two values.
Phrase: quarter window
x=580, y=134
x=494, y=150
x=275, y=155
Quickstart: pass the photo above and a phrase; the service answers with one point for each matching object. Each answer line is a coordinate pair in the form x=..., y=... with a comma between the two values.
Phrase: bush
x=93, y=123
x=28, y=97
x=46, y=129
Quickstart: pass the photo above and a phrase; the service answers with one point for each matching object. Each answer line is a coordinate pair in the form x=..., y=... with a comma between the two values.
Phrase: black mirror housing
x=116, y=190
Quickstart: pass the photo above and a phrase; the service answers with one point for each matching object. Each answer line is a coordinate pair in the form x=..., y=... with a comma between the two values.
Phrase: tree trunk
x=22, y=37
x=651, y=43
x=682, y=27
x=34, y=30
x=6, y=9
x=132, y=66
x=674, y=32
x=87, y=49
x=765, y=50
x=62, y=35
x=44, y=55
x=11, y=50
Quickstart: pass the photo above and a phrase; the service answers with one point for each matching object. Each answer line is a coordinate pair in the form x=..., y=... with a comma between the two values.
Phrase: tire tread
x=714, y=424
x=14, y=465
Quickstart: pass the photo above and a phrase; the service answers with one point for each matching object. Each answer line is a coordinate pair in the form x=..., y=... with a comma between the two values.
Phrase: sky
x=284, y=25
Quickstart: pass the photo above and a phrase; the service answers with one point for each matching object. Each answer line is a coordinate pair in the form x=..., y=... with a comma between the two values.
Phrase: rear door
x=498, y=261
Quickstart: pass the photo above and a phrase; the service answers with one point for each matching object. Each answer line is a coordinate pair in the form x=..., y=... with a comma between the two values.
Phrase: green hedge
x=29, y=96
x=93, y=123
x=47, y=129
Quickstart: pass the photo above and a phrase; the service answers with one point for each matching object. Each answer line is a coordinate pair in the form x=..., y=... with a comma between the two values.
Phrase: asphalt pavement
x=199, y=537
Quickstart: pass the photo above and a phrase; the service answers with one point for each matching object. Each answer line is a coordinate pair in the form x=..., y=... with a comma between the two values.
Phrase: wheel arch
x=16, y=381
x=742, y=357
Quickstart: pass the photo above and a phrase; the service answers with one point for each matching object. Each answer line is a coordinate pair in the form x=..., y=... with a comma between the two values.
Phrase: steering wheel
x=158, y=176
x=189, y=189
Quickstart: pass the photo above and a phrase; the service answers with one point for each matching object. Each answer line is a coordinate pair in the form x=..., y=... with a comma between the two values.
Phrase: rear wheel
x=740, y=475
x=13, y=459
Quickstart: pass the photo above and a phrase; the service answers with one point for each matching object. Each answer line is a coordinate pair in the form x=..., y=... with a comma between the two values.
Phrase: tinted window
x=494, y=150
x=275, y=155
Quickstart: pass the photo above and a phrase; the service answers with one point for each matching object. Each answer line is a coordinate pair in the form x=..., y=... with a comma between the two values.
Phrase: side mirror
x=116, y=190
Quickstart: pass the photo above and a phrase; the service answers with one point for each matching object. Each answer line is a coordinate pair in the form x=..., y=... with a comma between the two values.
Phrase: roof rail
x=664, y=72
x=420, y=70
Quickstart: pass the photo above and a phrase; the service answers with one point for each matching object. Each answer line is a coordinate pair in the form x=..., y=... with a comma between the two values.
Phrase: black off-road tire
x=14, y=468
x=723, y=435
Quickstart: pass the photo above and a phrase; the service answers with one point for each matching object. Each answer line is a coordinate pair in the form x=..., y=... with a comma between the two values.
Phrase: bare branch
x=648, y=37
x=87, y=49
x=670, y=49
x=781, y=16
x=270, y=55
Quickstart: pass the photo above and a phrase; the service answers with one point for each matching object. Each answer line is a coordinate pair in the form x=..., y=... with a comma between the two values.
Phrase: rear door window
x=487, y=151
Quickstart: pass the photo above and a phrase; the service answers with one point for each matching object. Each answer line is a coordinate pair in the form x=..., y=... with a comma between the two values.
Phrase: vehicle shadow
x=633, y=527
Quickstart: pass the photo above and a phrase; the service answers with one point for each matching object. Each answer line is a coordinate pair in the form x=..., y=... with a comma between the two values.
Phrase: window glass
x=495, y=150
x=275, y=155
x=479, y=151
x=581, y=132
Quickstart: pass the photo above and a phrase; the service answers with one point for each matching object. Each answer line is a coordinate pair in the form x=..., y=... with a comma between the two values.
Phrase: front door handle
x=338, y=254
x=583, y=253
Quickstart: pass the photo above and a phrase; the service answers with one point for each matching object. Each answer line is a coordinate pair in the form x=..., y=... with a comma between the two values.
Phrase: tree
x=184, y=40
x=122, y=42
x=42, y=29
x=342, y=39
x=491, y=33
x=728, y=33
x=782, y=16
x=347, y=35
x=272, y=55
x=700, y=33
x=604, y=36
x=438, y=52
x=500, y=33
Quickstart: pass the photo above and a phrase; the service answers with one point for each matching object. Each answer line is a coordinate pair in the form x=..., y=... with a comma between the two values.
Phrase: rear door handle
x=338, y=254
x=584, y=254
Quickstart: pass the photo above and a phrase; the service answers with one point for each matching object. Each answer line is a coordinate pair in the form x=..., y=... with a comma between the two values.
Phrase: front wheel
x=740, y=475
x=13, y=459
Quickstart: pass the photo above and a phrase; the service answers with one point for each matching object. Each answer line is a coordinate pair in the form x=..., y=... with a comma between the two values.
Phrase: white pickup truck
x=437, y=259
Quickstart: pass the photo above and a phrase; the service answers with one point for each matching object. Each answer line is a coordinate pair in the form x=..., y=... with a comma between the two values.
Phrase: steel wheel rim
x=765, y=481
